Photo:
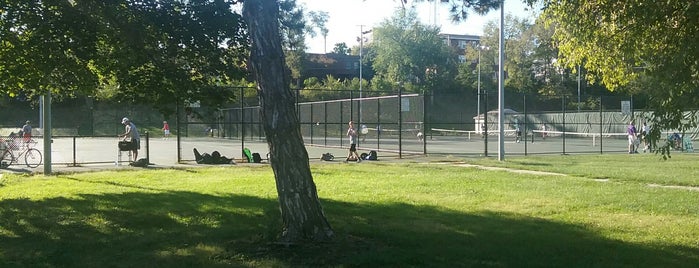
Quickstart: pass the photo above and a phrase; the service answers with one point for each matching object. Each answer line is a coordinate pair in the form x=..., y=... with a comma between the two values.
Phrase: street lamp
x=478, y=113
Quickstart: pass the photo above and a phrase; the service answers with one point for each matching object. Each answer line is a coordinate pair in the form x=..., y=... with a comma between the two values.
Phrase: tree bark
x=302, y=215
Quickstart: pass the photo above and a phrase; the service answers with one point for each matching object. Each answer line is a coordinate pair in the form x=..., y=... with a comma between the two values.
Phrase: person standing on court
x=631, y=132
x=352, y=134
x=166, y=130
x=131, y=134
x=645, y=132
x=27, y=131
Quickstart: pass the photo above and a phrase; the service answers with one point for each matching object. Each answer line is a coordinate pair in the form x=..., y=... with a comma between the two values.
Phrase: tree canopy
x=639, y=46
x=407, y=51
x=156, y=52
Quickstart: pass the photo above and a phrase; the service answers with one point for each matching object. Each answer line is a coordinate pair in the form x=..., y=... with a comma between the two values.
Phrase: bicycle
x=24, y=148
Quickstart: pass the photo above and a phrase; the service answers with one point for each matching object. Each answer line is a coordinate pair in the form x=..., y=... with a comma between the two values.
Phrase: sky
x=348, y=17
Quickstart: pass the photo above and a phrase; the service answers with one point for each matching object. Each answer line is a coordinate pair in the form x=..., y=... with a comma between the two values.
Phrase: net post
x=594, y=142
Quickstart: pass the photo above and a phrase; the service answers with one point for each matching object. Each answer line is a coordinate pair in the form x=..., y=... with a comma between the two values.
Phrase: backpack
x=140, y=163
x=373, y=156
x=327, y=157
x=364, y=156
x=256, y=158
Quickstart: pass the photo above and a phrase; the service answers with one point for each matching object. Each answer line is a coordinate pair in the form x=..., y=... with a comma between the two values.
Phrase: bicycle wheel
x=32, y=158
x=7, y=159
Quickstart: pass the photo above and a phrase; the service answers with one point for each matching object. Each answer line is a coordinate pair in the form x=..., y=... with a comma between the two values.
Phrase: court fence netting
x=393, y=123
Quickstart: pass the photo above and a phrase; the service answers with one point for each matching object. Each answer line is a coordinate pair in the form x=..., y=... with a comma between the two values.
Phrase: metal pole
x=526, y=130
x=578, y=88
x=311, y=121
x=74, y=152
x=378, y=124
x=564, y=123
x=147, y=148
x=47, y=133
x=179, y=132
x=479, y=79
x=600, y=125
x=361, y=48
x=361, y=51
x=485, y=126
x=325, y=122
x=501, y=85
x=478, y=107
x=400, y=122
x=242, y=124
x=424, y=124
x=75, y=149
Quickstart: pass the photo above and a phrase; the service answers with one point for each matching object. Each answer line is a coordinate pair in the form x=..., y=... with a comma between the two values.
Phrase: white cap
x=124, y=120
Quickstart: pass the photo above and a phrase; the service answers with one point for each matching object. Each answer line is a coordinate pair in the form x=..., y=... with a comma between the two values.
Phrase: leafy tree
x=647, y=45
x=154, y=52
x=460, y=9
x=293, y=29
x=407, y=51
x=341, y=48
x=329, y=88
x=302, y=215
x=318, y=21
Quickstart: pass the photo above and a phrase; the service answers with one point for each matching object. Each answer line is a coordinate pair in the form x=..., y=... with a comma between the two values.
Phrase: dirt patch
x=520, y=171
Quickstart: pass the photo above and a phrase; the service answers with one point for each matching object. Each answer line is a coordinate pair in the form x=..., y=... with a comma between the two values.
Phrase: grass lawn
x=603, y=213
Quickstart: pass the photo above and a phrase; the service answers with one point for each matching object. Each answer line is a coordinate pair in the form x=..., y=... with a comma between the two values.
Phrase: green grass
x=396, y=215
x=680, y=169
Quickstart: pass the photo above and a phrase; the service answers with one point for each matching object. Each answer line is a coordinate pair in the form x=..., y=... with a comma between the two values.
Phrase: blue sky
x=346, y=16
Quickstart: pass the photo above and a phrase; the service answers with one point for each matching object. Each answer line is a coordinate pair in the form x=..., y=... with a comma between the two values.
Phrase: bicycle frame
x=25, y=148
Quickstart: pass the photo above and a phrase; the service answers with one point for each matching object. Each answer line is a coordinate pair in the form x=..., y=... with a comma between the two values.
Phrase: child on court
x=352, y=134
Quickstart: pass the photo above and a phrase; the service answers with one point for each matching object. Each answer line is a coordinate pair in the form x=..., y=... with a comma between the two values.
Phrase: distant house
x=459, y=42
x=340, y=66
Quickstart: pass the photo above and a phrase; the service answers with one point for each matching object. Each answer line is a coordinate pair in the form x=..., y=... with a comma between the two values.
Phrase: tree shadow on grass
x=403, y=235
x=186, y=229
x=166, y=229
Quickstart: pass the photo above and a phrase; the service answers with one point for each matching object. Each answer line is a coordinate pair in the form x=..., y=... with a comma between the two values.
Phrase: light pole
x=478, y=113
x=361, y=48
x=501, y=85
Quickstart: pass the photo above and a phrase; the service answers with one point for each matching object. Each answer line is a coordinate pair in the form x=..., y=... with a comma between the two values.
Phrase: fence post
x=424, y=124
x=74, y=153
x=563, y=102
x=400, y=122
x=311, y=126
x=242, y=124
x=485, y=125
x=147, y=148
x=600, y=125
x=179, y=132
x=378, y=124
x=526, y=123
x=325, y=123
x=342, y=119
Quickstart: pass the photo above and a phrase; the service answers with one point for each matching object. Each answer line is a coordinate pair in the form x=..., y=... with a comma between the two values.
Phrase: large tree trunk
x=302, y=214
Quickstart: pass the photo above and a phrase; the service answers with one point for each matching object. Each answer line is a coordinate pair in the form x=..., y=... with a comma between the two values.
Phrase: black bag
x=256, y=158
x=140, y=163
x=364, y=156
x=373, y=156
x=126, y=146
x=327, y=157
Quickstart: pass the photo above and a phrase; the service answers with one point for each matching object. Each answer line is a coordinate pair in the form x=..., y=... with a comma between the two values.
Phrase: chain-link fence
x=390, y=122
x=386, y=122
